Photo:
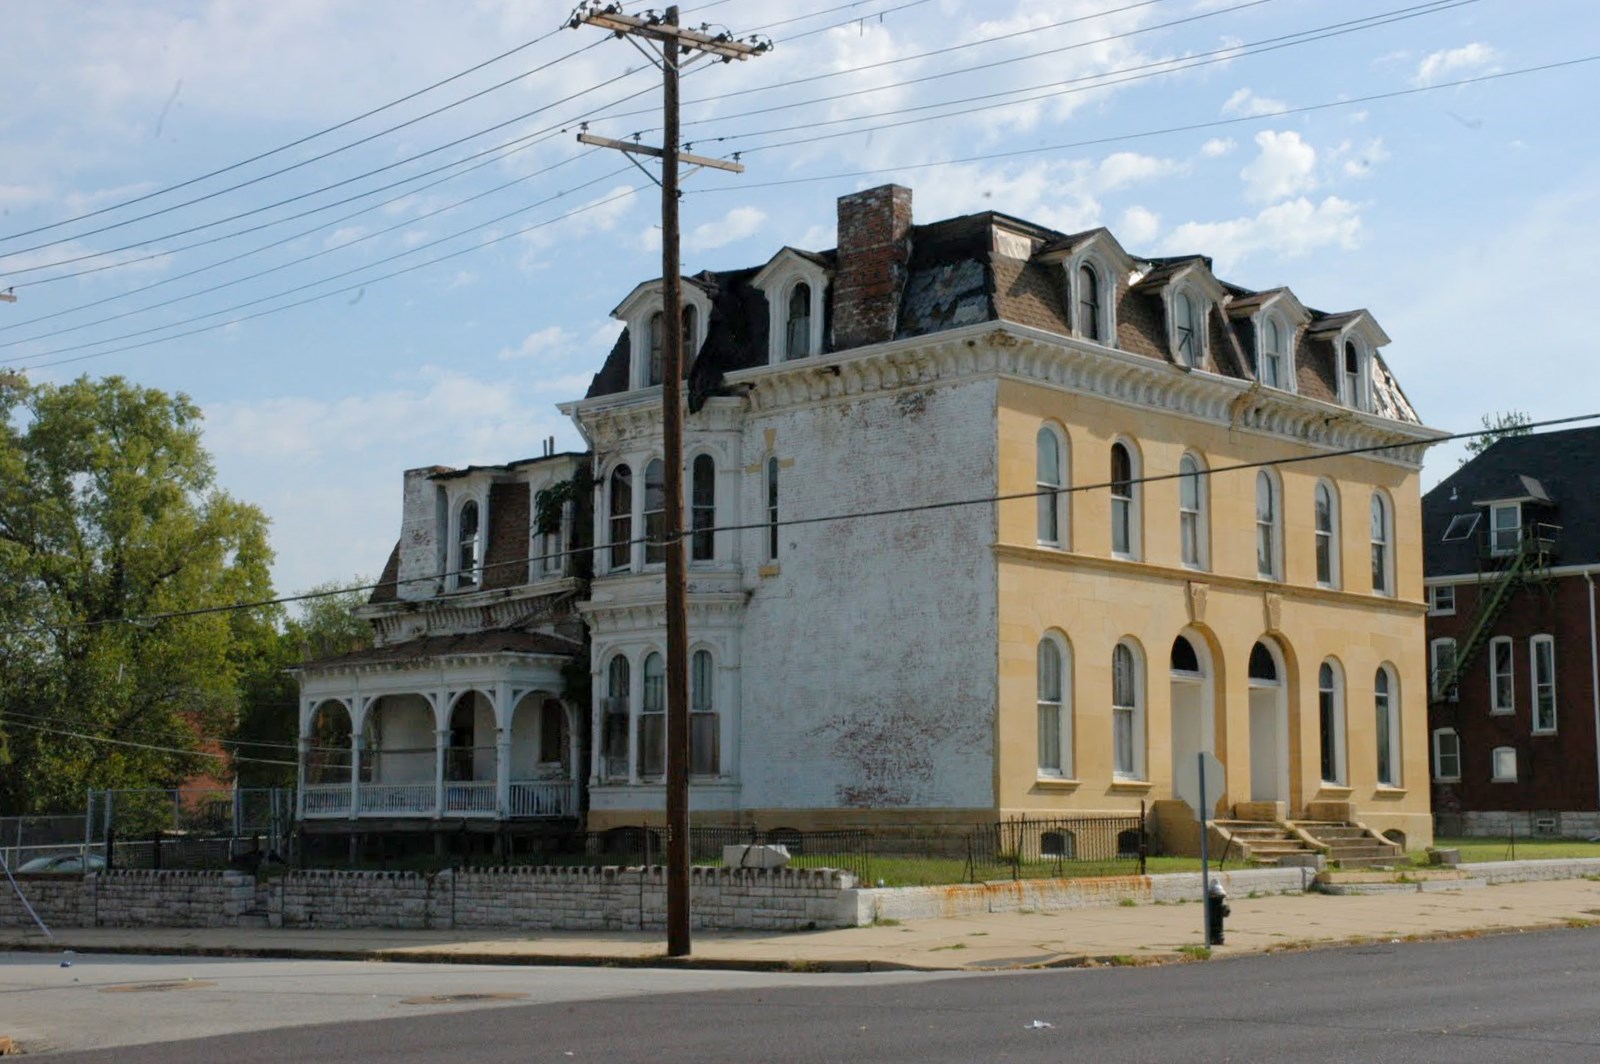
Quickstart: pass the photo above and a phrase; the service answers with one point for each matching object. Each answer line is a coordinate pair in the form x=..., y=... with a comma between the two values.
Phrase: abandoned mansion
x=983, y=519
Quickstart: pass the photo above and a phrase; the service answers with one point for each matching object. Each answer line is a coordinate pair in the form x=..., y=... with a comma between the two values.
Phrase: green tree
x=109, y=516
x=325, y=626
x=1499, y=426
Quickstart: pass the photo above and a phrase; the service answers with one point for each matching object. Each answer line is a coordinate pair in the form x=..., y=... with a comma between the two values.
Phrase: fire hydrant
x=1216, y=909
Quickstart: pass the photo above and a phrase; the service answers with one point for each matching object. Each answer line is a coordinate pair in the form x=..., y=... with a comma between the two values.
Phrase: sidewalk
x=1149, y=933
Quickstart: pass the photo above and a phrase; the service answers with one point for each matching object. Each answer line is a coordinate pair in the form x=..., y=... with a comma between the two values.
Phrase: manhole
x=156, y=988
x=460, y=999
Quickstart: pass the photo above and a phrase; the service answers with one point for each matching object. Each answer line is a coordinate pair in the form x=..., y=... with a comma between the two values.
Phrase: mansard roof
x=993, y=267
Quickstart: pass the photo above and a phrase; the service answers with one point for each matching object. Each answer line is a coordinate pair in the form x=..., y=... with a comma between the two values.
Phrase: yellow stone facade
x=1091, y=601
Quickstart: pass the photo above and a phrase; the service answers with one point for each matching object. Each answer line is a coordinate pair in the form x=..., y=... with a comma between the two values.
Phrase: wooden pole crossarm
x=724, y=48
x=645, y=149
x=11, y=297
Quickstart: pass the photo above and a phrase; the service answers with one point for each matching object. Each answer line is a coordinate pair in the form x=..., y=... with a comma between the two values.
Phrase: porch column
x=302, y=770
x=355, y=774
x=441, y=742
x=502, y=772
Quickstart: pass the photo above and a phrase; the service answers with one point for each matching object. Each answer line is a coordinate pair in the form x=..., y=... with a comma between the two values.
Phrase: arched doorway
x=328, y=760
x=1269, y=723
x=541, y=770
x=469, y=764
x=1193, y=716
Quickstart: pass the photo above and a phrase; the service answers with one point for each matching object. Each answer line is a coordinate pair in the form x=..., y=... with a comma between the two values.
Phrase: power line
x=795, y=522
x=6, y=722
x=10, y=714
x=1120, y=137
x=295, y=166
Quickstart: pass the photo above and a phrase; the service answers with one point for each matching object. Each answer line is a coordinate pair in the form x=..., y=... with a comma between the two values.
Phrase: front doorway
x=1269, y=724
x=1193, y=719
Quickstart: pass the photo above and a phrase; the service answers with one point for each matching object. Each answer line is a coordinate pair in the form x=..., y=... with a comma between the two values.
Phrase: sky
x=1463, y=216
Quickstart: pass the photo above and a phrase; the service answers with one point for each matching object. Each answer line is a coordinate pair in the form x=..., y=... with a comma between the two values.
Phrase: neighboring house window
x=703, y=509
x=705, y=731
x=621, y=519
x=1442, y=668
x=1327, y=533
x=1382, y=563
x=1049, y=482
x=658, y=340
x=1124, y=502
x=467, y=552
x=1273, y=369
x=1127, y=713
x=1186, y=334
x=1543, y=648
x=1054, y=727
x=1502, y=681
x=1192, y=531
x=614, y=730
x=1442, y=600
x=1385, y=698
x=655, y=512
x=797, y=325
x=1330, y=718
x=772, y=509
x=1446, y=755
x=1269, y=527
x=1350, y=376
x=1503, y=765
x=1505, y=528
x=1089, y=303
x=653, y=717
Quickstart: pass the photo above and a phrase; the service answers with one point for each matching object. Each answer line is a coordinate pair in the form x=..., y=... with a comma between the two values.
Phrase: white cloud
x=1287, y=165
x=546, y=341
x=1217, y=147
x=1361, y=163
x=1442, y=64
x=1127, y=167
x=1285, y=230
x=1139, y=226
x=738, y=224
x=1245, y=102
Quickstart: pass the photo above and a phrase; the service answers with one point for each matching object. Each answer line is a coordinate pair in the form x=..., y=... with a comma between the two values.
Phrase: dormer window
x=658, y=344
x=1274, y=368
x=1185, y=330
x=467, y=552
x=1505, y=528
x=1089, y=303
x=1350, y=374
x=797, y=323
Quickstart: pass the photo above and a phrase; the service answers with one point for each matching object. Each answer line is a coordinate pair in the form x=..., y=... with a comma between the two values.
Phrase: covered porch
x=484, y=737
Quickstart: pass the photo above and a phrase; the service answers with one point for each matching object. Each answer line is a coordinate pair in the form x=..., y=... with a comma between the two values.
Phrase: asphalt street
x=1494, y=998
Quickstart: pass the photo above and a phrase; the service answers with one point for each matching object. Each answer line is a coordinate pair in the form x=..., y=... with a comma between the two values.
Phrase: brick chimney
x=874, y=250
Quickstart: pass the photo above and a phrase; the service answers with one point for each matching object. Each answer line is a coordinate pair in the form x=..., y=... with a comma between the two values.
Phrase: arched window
x=1054, y=709
x=690, y=318
x=1330, y=717
x=658, y=341
x=1386, y=701
x=1049, y=481
x=703, y=509
x=1263, y=666
x=797, y=325
x=1184, y=657
x=621, y=518
x=614, y=728
x=1350, y=377
x=1326, y=524
x=1382, y=564
x=467, y=545
x=1269, y=520
x=1273, y=368
x=772, y=508
x=705, y=730
x=1186, y=334
x=1089, y=303
x=1124, y=502
x=653, y=717
x=1127, y=713
x=1193, y=535
x=655, y=512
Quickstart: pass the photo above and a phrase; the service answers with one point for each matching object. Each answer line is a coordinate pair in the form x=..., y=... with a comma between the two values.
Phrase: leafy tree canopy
x=1510, y=423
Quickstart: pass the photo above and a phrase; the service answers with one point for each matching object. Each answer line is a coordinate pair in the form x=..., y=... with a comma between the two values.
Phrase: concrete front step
x=1369, y=862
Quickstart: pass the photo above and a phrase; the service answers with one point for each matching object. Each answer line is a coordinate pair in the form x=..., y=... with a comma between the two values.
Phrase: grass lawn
x=1489, y=849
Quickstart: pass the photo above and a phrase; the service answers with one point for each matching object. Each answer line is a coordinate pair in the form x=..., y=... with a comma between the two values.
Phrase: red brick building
x=1511, y=545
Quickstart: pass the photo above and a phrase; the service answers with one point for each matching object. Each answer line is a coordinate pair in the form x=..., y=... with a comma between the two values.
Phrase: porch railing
x=470, y=799
x=542, y=798
x=327, y=799
x=397, y=799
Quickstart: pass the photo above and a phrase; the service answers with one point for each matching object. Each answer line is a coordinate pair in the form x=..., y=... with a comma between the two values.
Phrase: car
x=64, y=864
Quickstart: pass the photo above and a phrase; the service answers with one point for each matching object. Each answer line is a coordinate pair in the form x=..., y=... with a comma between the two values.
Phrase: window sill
x=1502, y=712
x=769, y=569
x=1502, y=781
x=1385, y=792
x=1054, y=783
x=1334, y=790
x=1130, y=786
x=1543, y=733
x=1447, y=779
x=1124, y=557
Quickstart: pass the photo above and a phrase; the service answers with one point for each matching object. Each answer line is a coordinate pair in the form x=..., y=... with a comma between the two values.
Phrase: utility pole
x=671, y=48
